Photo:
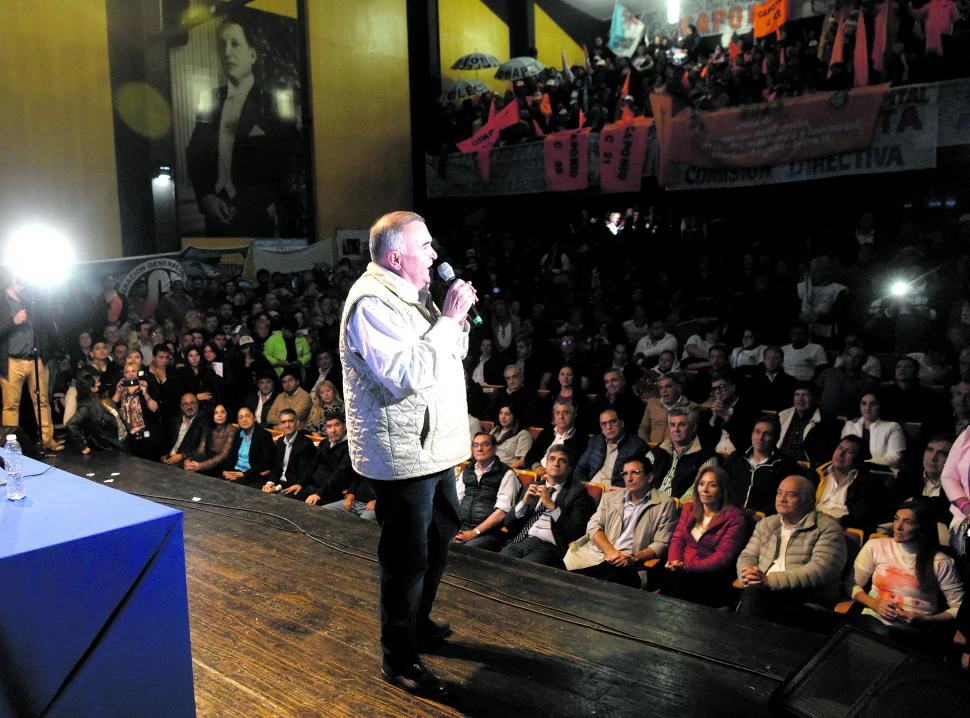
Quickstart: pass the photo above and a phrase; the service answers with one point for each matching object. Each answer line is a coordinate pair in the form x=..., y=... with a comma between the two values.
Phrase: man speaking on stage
x=407, y=427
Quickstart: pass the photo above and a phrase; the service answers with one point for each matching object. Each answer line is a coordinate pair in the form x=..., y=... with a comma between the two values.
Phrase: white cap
x=11, y=437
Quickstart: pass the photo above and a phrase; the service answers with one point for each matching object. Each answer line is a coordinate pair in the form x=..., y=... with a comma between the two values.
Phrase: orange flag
x=582, y=119
x=545, y=107
x=769, y=17
x=837, y=45
x=626, y=113
x=481, y=142
x=625, y=90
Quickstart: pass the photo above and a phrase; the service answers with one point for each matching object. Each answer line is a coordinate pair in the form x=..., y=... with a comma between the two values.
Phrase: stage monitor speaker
x=858, y=674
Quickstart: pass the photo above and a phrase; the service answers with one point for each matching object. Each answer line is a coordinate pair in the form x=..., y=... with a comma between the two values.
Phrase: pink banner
x=623, y=151
x=567, y=160
x=792, y=129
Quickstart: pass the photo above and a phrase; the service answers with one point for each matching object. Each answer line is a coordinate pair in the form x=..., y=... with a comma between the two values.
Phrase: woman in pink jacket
x=707, y=541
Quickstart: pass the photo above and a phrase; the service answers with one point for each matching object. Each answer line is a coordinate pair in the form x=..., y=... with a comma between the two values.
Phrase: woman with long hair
x=886, y=441
x=707, y=541
x=326, y=403
x=567, y=388
x=511, y=442
x=213, y=449
x=906, y=575
x=197, y=377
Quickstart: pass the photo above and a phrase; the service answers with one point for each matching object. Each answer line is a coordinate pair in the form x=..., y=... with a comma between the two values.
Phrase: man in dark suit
x=250, y=459
x=260, y=401
x=294, y=459
x=602, y=462
x=769, y=387
x=563, y=431
x=332, y=473
x=240, y=152
x=185, y=432
x=551, y=514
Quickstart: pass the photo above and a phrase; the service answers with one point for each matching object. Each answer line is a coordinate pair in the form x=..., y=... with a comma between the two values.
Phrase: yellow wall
x=360, y=100
x=467, y=26
x=57, y=154
x=551, y=40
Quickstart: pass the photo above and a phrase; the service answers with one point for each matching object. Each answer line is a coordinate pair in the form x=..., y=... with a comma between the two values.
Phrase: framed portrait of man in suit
x=238, y=93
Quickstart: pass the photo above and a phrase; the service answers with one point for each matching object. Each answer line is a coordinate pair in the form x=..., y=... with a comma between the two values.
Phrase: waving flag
x=626, y=31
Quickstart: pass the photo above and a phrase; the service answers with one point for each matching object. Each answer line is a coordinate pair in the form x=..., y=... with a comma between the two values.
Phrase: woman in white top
x=511, y=443
x=750, y=353
x=907, y=574
x=887, y=442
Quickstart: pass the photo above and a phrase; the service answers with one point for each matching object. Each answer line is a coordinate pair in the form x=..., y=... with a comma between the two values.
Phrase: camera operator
x=138, y=410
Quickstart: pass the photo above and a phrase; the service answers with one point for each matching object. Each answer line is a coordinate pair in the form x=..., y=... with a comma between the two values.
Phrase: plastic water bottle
x=13, y=459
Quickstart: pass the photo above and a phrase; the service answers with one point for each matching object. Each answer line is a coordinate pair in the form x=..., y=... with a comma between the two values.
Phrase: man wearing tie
x=551, y=514
x=20, y=334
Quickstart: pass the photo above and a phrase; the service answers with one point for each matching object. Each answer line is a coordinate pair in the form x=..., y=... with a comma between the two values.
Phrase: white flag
x=626, y=31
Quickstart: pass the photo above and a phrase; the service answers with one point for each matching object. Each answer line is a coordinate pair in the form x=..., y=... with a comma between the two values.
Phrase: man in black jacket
x=550, y=515
x=294, y=459
x=756, y=473
x=185, y=432
x=563, y=431
x=333, y=473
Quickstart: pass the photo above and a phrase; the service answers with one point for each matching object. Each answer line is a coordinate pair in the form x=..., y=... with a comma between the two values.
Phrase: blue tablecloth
x=93, y=607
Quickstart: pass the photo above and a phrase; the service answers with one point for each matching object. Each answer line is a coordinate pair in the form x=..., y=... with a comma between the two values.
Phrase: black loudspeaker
x=858, y=674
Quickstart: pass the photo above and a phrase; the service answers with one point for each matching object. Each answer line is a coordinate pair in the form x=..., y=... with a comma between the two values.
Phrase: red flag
x=481, y=142
x=860, y=58
x=626, y=114
x=837, y=45
x=538, y=130
x=582, y=119
x=734, y=50
x=625, y=90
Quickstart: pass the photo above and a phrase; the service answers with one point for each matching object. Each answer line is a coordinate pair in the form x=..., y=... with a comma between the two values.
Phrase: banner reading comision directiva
x=904, y=139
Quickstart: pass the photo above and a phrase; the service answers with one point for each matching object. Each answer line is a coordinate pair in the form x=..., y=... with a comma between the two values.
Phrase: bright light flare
x=38, y=254
x=899, y=288
x=673, y=11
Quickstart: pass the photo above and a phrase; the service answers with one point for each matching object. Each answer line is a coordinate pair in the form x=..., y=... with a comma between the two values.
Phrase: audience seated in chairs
x=846, y=491
x=756, y=473
x=884, y=441
x=629, y=527
x=212, y=451
x=294, y=458
x=551, y=514
x=512, y=440
x=563, y=431
x=794, y=558
x=906, y=574
x=602, y=462
x=250, y=459
x=487, y=490
x=706, y=542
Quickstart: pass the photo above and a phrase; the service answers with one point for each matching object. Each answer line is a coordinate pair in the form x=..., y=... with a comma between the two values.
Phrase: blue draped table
x=94, y=614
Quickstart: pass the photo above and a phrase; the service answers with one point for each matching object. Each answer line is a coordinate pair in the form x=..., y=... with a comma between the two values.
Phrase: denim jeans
x=358, y=509
x=418, y=518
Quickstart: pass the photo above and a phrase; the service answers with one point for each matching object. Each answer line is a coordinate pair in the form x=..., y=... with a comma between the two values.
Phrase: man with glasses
x=602, y=462
x=628, y=528
x=487, y=490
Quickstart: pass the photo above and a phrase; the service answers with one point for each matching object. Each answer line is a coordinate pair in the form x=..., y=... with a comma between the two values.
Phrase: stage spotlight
x=38, y=254
x=899, y=288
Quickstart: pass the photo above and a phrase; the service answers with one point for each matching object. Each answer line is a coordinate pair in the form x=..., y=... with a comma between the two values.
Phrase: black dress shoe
x=417, y=680
x=432, y=630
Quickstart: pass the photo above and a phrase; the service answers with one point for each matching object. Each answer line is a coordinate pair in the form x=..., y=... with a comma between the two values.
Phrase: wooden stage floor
x=285, y=625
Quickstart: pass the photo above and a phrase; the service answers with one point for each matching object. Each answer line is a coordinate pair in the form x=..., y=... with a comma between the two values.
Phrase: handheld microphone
x=448, y=275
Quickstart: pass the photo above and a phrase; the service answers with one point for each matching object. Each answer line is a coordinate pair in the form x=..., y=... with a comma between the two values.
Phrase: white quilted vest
x=401, y=438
